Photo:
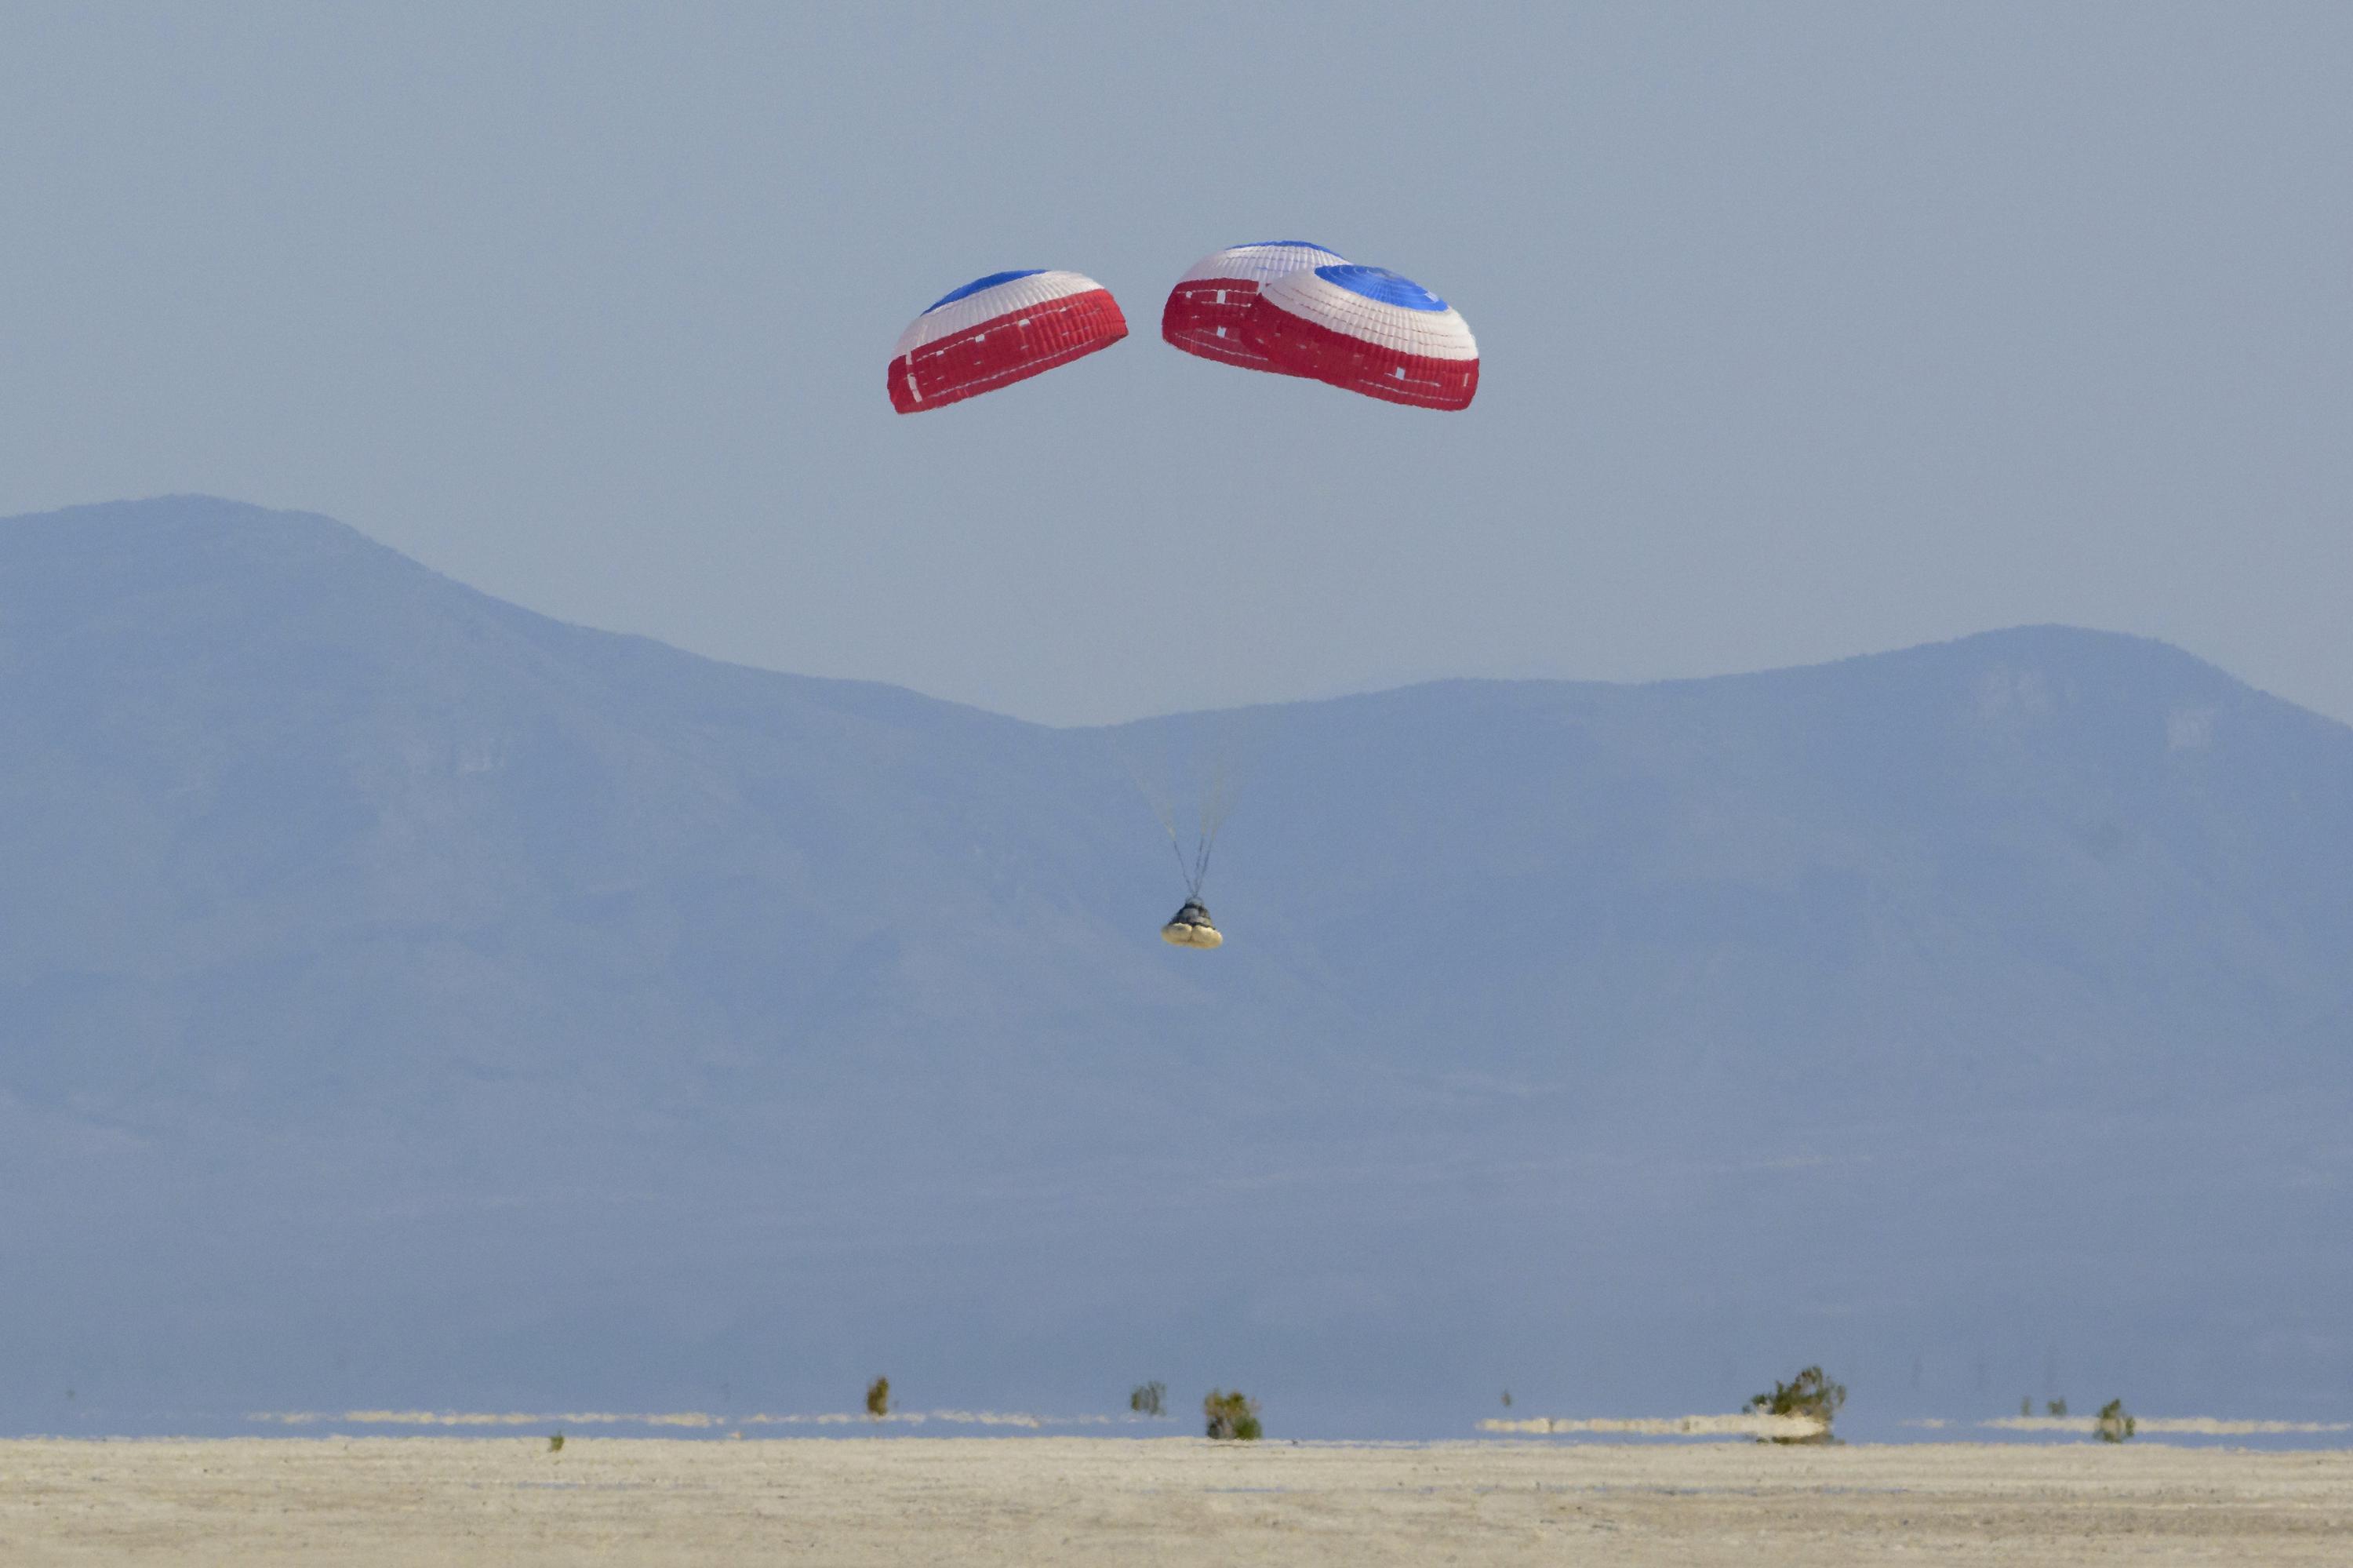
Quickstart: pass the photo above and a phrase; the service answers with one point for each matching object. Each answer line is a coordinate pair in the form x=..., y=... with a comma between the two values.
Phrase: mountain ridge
x=212, y=509
x=456, y=999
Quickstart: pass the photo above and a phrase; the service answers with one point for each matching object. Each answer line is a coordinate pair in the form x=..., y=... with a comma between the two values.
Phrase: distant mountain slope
x=2036, y=849
x=281, y=787
x=405, y=996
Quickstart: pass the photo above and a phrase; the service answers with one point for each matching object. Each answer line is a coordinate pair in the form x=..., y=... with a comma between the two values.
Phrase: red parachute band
x=997, y=330
x=1207, y=310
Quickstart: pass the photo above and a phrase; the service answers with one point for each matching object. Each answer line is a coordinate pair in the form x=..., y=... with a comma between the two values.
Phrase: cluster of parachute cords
x=1285, y=307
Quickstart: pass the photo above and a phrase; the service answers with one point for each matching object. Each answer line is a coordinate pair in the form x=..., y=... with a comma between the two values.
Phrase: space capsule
x=1191, y=927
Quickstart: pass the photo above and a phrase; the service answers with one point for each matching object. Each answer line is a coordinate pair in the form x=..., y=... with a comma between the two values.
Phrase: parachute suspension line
x=1213, y=817
x=1164, y=810
x=1193, y=867
x=1201, y=870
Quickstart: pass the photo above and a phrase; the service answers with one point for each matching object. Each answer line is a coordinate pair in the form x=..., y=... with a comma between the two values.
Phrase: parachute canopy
x=1190, y=927
x=1205, y=310
x=997, y=330
x=1367, y=330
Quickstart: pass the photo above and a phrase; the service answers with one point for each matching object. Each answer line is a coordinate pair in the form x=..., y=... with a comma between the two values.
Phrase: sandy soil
x=1169, y=1501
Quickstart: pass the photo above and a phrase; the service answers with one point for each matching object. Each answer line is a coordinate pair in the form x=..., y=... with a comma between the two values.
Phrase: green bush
x=878, y=1398
x=1149, y=1398
x=555, y=1443
x=2114, y=1425
x=1810, y=1394
x=1233, y=1417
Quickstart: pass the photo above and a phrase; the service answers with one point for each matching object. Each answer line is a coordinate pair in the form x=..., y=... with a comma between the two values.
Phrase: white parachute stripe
x=1005, y=298
x=1432, y=334
x=1262, y=263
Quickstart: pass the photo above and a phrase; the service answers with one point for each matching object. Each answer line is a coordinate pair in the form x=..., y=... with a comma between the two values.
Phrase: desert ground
x=1173, y=1500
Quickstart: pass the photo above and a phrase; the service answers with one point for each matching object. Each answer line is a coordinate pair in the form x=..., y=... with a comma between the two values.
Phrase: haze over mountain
x=405, y=999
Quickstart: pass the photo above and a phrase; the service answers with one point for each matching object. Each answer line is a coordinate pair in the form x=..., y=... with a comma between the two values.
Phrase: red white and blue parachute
x=1206, y=309
x=1367, y=330
x=997, y=330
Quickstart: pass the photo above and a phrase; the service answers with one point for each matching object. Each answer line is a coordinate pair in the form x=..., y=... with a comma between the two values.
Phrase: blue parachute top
x=1380, y=283
x=977, y=284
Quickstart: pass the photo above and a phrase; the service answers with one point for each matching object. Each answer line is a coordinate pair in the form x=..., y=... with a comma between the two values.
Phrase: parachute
x=997, y=330
x=1367, y=330
x=1205, y=310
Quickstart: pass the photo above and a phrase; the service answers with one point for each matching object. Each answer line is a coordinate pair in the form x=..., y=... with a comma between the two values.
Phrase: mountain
x=405, y=999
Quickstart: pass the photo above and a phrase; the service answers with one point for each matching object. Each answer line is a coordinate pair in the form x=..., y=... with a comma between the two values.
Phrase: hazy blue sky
x=1807, y=330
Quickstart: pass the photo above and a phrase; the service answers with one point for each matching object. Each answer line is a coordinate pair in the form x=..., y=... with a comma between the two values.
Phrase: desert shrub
x=2026, y=1408
x=1149, y=1398
x=555, y=1443
x=1810, y=1394
x=878, y=1398
x=1233, y=1417
x=2056, y=1407
x=2114, y=1425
